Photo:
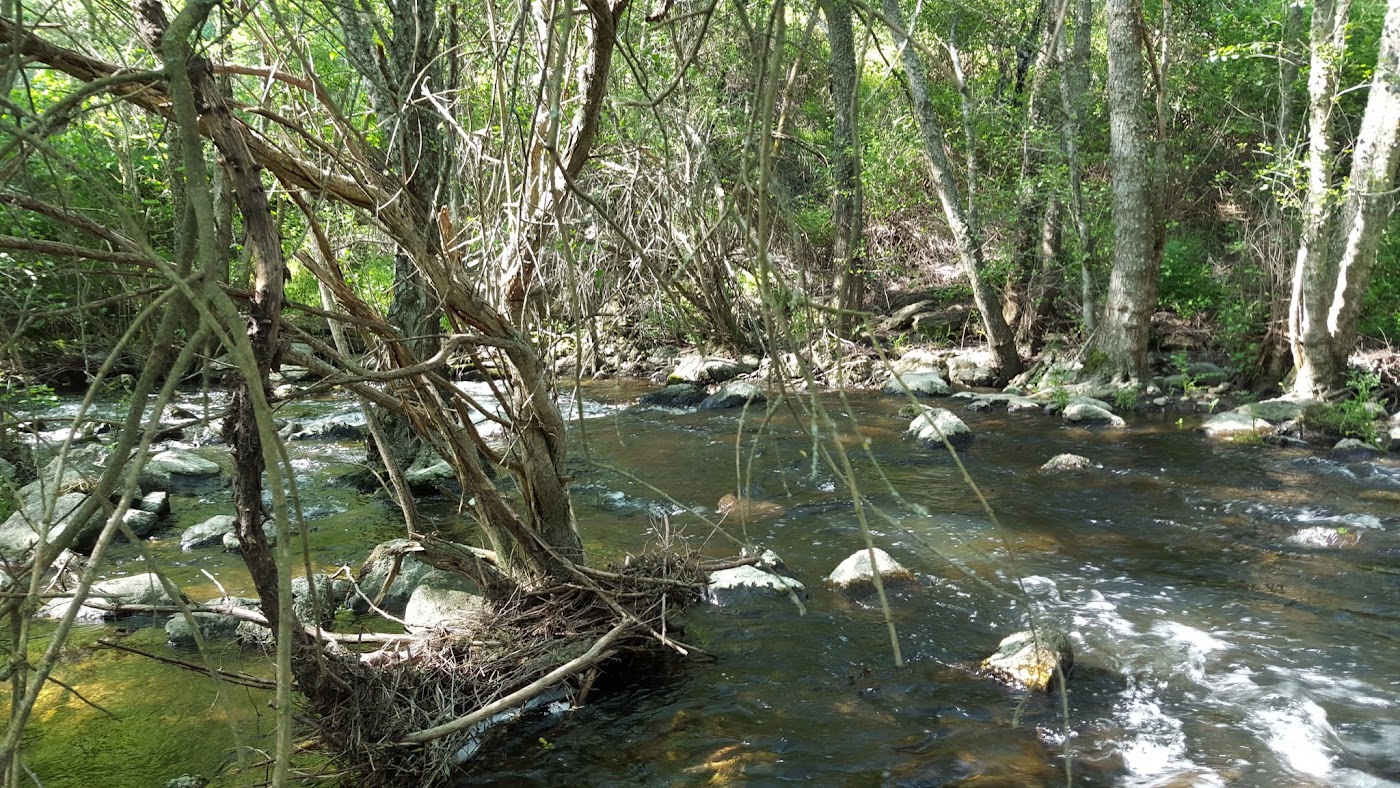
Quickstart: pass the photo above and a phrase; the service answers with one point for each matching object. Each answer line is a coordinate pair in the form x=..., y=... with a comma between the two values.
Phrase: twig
x=589, y=658
x=227, y=675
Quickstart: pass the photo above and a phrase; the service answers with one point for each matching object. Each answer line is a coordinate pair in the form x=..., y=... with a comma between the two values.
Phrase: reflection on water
x=1234, y=609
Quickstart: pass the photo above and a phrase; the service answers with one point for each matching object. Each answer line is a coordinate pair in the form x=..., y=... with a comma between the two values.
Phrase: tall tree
x=1122, y=338
x=1074, y=91
x=967, y=235
x=1341, y=235
x=848, y=204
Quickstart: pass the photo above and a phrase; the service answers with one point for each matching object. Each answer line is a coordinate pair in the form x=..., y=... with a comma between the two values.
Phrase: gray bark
x=848, y=203
x=966, y=235
x=1336, y=270
x=1074, y=89
x=1121, y=343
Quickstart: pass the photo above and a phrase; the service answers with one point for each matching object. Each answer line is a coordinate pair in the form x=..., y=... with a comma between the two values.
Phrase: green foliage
x=1188, y=285
x=1353, y=417
x=1380, y=312
x=1125, y=398
x=1060, y=397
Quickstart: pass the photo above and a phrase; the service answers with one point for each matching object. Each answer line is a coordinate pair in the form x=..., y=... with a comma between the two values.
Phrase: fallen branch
x=242, y=679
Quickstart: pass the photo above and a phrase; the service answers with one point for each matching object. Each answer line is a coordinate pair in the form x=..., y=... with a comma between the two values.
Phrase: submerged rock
x=1322, y=536
x=1068, y=463
x=856, y=574
x=748, y=508
x=143, y=589
x=1020, y=659
x=920, y=384
x=931, y=426
x=703, y=370
x=728, y=586
x=1012, y=402
x=676, y=395
x=734, y=394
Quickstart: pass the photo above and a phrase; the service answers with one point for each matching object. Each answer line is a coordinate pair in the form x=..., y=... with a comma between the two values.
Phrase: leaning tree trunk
x=848, y=204
x=966, y=234
x=1339, y=244
x=1121, y=343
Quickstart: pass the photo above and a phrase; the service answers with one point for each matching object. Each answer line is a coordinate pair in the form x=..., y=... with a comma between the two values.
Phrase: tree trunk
x=1121, y=343
x=1074, y=89
x=966, y=235
x=1338, y=249
x=848, y=203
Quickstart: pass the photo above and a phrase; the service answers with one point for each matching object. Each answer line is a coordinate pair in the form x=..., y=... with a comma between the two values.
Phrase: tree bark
x=1121, y=342
x=966, y=235
x=848, y=203
x=1074, y=89
x=1339, y=242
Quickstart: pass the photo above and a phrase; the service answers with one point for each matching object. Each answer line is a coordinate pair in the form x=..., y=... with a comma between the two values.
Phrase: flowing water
x=1233, y=608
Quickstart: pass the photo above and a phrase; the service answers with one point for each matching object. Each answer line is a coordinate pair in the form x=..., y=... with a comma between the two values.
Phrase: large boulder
x=144, y=589
x=1204, y=373
x=857, y=574
x=1012, y=402
x=20, y=531
x=212, y=626
x=920, y=384
x=377, y=569
x=730, y=586
x=975, y=369
x=1277, y=411
x=230, y=542
x=675, y=395
x=442, y=608
x=209, y=533
x=930, y=427
x=182, y=463
x=703, y=370
x=1022, y=658
x=734, y=394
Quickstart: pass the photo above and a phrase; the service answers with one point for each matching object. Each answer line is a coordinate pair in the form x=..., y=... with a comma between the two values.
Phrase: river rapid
x=1234, y=609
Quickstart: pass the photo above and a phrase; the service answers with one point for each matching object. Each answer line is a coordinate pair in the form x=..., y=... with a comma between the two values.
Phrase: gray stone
x=187, y=781
x=728, y=586
x=1204, y=373
x=144, y=589
x=1351, y=449
x=855, y=573
x=212, y=626
x=703, y=370
x=19, y=533
x=1012, y=402
x=430, y=608
x=1235, y=422
x=1020, y=659
x=345, y=426
x=330, y=595
x=734, y=394
x=209, y=533
x=971, y=371
x=1088, y=413
x=1068, y=463
x=931, y=426
x=156, y=502
x=182, y=463
x=141, y=523
x=1394, y=435
x=230, y=543
x=7, y=470
x=430, y=474
x=1277, y=410
x=376, y=570
x=675, y=395
x=920, y=384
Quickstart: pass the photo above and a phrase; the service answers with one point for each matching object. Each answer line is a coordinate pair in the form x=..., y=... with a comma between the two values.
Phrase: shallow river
x=1216, y=642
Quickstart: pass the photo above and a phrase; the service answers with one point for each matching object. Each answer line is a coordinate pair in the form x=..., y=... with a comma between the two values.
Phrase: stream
x=1234, y=610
